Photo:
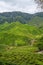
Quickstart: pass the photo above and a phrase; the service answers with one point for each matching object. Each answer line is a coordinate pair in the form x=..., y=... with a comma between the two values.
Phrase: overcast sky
x=28, y=6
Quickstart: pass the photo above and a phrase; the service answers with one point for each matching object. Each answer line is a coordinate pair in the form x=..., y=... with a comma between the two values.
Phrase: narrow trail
x=40, y=52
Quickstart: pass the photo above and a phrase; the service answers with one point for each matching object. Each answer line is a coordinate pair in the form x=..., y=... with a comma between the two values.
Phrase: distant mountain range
x=32, y=19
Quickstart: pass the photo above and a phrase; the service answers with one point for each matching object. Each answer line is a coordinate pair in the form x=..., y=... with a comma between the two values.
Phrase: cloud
x=28, y=6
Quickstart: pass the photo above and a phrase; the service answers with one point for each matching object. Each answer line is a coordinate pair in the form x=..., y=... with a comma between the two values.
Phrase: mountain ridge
x=18, y=16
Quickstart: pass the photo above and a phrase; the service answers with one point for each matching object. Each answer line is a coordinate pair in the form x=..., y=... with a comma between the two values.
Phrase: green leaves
x=17, y=44
x=23, y=55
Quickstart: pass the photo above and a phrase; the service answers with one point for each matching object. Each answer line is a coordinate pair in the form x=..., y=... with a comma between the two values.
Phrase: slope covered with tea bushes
x=21, y=44
x=18, y=34
x=20, y=56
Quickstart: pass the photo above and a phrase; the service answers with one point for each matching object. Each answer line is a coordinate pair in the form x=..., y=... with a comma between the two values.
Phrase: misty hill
x=33, y=19
x=15, y=16
x=36, y=21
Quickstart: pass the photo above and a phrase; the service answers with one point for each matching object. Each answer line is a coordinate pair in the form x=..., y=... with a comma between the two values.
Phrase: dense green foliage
x=21, y=44
x=20, y=56
x=18, y=34
x=14, y=38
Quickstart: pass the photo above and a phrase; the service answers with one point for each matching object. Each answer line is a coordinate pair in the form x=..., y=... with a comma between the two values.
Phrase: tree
x=40, y=3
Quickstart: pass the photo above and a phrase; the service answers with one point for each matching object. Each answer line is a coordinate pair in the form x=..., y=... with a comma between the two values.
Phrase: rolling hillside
x=16, y=33
x=36, y=21
x=21, y=38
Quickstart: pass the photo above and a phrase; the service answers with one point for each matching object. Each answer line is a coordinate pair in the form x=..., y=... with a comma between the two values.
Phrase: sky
x=28, y=6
